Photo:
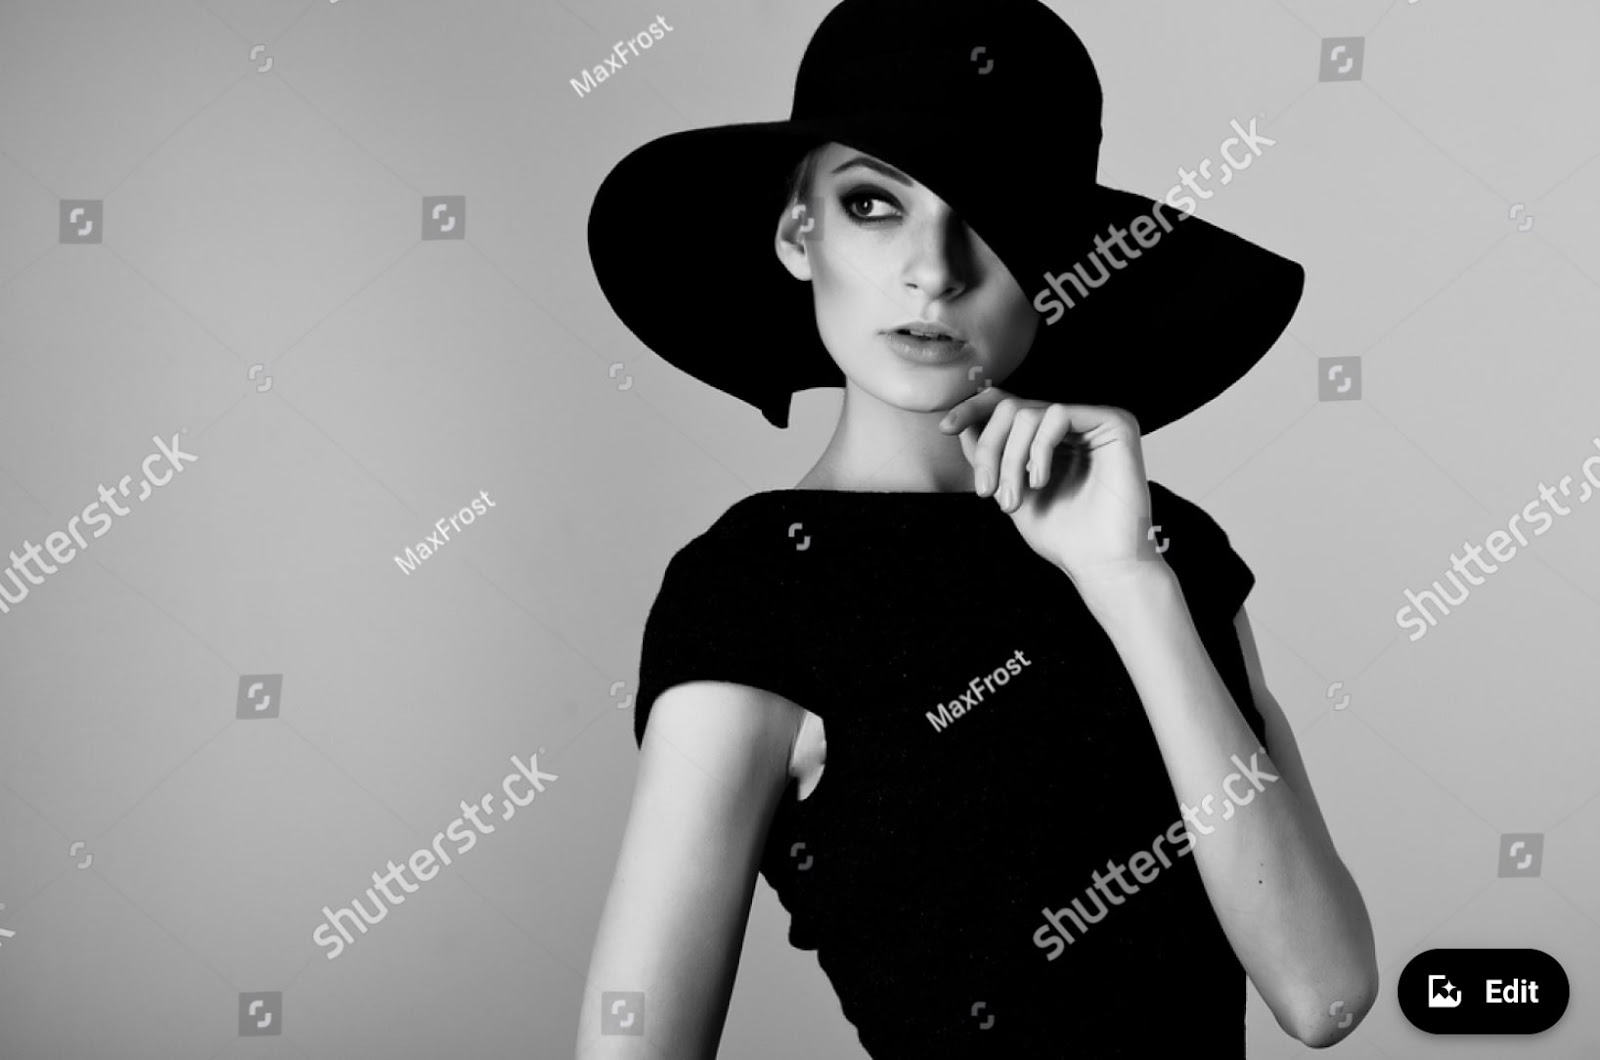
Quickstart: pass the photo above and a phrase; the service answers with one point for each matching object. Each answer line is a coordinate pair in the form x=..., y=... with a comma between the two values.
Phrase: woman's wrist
x=1122, y=582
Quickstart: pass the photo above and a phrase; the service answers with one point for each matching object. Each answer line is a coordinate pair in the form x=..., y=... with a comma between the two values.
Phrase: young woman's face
x=892, y=254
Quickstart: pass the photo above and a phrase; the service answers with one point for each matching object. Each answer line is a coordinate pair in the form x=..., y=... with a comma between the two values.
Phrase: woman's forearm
x=1285, y=900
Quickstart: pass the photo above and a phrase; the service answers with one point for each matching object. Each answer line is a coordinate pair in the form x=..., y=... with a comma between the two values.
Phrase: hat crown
x=1012, y=60
x=953, y=89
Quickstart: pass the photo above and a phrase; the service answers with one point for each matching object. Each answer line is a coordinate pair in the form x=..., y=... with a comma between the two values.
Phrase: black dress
x=987, y=754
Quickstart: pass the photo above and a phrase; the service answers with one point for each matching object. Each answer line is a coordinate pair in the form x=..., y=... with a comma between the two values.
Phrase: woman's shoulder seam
x=729, y=532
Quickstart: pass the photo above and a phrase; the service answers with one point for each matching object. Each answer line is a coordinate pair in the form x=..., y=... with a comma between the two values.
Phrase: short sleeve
x=716, y=617
x=1234, y=578
x=1215, y=581
x=1215, y=578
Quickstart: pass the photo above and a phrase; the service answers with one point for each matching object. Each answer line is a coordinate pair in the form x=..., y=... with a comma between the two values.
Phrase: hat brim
x=681, y=233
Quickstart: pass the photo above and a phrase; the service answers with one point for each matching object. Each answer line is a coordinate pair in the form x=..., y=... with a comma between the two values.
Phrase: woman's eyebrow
x=873, y=164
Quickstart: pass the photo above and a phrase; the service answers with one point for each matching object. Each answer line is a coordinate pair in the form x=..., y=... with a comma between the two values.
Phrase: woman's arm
x=1287, y=903
x=714, y=762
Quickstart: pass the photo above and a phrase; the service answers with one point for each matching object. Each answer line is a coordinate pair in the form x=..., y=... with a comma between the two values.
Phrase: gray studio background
x=265, y=207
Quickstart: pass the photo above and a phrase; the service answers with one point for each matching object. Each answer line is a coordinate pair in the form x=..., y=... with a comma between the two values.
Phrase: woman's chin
x=927, y=396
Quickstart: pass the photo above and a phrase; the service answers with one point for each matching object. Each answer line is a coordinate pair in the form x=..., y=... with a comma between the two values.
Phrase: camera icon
x=1521, y=853
x=444, y=217
x=82, y=220
x=1342, y=58
x=1338, y=378
x=622, y=1012
x=1152, y=542
x=260, y=1014
x=258, y=696
x=808, y=212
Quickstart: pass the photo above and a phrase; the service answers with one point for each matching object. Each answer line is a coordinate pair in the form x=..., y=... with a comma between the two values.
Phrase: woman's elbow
x=1333, y=1015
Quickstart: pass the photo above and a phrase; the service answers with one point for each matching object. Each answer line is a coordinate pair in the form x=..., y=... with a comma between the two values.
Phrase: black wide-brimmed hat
x=995, y=107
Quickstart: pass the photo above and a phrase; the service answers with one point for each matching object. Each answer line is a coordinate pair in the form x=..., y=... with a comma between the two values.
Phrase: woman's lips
x=925, y=350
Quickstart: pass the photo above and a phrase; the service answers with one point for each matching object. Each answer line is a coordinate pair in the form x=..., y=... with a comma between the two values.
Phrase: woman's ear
x=797, y=227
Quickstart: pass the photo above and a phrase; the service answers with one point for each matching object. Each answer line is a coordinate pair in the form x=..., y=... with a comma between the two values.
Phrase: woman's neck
x=877, y=446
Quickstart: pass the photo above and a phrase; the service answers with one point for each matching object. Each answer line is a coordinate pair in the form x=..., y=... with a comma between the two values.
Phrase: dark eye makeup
x=867, y=193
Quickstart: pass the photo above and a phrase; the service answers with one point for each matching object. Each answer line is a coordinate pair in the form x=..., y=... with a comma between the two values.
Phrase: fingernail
x=980, y=481
x=1003, y=495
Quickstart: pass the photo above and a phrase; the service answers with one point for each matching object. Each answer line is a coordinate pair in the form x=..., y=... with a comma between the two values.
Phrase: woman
x=976, y=683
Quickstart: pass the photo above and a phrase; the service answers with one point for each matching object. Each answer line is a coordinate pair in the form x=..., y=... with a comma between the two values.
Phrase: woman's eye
x=858, y=205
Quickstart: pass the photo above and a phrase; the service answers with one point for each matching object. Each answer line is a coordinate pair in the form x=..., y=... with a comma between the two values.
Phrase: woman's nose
x=939, y=264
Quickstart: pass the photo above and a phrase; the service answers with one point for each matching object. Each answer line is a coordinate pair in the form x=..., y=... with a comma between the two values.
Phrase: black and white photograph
x=897, y=529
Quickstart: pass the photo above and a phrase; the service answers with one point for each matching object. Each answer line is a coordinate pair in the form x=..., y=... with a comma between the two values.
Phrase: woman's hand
x=1071, y=476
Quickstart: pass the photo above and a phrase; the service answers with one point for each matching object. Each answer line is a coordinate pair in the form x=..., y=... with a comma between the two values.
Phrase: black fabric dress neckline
x=987, y=753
